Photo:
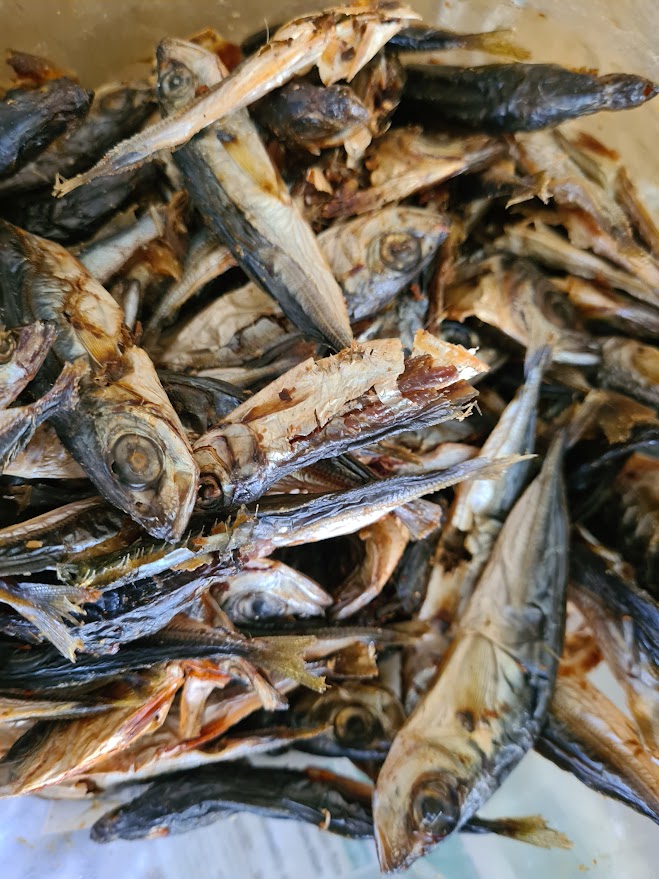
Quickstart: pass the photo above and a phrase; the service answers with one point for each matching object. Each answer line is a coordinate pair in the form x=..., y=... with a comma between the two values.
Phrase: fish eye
x=258, y=606
x=435, y=808
x=458, y=334
x=354, y=725
x=178, y=82
x=136, y=461
x=400, y=251
x=7, y=347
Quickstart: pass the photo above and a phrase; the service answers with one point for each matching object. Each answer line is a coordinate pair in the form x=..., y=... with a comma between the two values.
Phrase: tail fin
x=284, y=655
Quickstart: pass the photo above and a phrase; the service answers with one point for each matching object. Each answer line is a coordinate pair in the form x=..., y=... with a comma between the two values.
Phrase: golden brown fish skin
x=338, y=42
x=124, y=431
x=245, y=202
x=320, y=409
x=588, y=736
x=472, y=726
x=22, y=351
x=600, y=307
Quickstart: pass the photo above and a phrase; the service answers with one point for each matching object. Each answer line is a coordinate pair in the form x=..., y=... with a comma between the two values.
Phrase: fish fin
x=48, y=608
x=420, y=517
x=532, y=829
x=496, y=43
x=284, y=655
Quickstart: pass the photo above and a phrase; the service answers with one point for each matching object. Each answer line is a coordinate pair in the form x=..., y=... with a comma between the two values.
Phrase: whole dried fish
x=516, y=97
x=470, y=729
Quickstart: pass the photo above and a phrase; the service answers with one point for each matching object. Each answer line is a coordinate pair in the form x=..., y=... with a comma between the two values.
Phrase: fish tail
x=496, y=43
x=284, y=655
x=532, y=829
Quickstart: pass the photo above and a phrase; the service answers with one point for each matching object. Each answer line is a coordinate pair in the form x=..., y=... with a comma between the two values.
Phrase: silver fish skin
x=492, y=694
x=361, y=30
x=311, y=412
x=207, y=258
x=18, y=424
x=124, y=431
x=22, y=351
x=234, y=184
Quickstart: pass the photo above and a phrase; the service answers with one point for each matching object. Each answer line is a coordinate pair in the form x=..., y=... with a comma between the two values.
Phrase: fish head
x=143, y=461
x=375, y=256
x=362, y=719
x=182, y=68
x=267, y=589
x=413, y=811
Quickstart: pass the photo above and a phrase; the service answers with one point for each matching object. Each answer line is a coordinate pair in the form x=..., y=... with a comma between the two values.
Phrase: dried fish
x=22, y=351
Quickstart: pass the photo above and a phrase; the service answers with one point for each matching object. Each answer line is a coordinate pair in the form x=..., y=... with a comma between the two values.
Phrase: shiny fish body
x=494, y=686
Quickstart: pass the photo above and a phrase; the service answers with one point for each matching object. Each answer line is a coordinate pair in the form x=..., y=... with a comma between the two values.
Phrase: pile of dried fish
x=328, y=409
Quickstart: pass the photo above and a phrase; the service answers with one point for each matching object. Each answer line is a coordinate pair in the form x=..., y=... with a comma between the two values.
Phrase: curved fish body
x=124, y=431
x=18, y=424
x=492, y=694
x=588, y=210
x=600, y=307
x=516, y=97
x=31, y=118
x=586, y=734
x=105, y=257
x=266, y=589
x=45, y=457
x=42, y=542
x=207, y=259
x=338, y=42
x=625, y=621
x=325, y=408
x=117, y=111
x=199, y=402
x=76, y=217
x=236, y=187
x=22, y=351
